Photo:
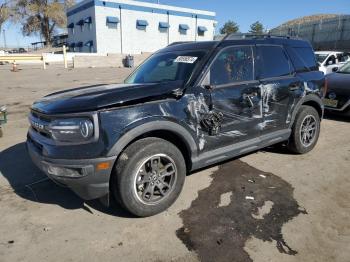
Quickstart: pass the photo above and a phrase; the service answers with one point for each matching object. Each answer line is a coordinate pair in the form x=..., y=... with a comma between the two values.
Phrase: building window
x=88, y=21
x=112, y=21
x=141, y=24
x=79, y=46
x=81, y=24
x=71, y=27
x=183, y=28
x=90, y=45
x=164, y=27
x=72, y=47
x=202, y=30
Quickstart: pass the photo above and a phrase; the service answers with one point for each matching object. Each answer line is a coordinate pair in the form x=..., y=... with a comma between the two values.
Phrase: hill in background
x=309, y=19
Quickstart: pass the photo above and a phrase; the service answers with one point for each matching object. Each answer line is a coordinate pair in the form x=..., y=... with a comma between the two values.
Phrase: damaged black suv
x=188, y=106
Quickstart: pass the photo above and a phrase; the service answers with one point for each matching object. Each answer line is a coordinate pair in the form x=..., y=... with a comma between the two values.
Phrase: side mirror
x=335, y=69
x=330, y=63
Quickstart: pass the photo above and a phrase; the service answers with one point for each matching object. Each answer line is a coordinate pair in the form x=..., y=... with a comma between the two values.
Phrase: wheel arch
x=169, y=131
x=309, y=100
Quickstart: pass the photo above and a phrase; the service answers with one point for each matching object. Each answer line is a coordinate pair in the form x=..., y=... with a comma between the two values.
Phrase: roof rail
x=256, y=36
x=179, y=43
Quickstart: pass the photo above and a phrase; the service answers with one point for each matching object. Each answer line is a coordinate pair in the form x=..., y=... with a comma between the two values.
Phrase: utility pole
x=5, y=44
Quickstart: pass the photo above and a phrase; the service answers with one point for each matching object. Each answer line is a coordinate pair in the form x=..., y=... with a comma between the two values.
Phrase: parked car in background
x=188, y=106
x=22, y=50
x=331, y=60
x=338, y=95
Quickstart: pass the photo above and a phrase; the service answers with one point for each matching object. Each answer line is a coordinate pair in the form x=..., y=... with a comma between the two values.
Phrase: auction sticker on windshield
x=186, y=59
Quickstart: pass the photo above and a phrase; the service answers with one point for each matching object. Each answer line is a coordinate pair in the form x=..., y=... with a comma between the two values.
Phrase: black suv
x=188, y=106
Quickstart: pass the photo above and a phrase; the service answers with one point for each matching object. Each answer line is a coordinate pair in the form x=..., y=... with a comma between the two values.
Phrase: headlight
x=71, y=130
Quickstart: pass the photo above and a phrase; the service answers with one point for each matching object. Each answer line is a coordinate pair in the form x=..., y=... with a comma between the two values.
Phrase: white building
x=132, y=27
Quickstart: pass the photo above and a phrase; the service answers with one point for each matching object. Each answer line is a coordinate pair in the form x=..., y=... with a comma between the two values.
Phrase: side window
x=342, y=58
x=234, y=64
x=272, y=62
x=303, y=58
x=331, y=60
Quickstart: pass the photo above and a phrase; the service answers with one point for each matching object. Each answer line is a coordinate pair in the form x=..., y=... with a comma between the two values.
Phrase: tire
x=134, y=166
x=298, y=143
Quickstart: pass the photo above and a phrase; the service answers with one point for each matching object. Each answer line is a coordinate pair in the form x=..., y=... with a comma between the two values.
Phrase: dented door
x=277, y=81
x=235, y=96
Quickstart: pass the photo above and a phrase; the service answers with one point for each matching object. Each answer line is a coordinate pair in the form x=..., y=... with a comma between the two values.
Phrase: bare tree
x=42, y=16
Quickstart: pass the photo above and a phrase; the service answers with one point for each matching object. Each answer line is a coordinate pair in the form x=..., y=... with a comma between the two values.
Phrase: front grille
x=39, y=123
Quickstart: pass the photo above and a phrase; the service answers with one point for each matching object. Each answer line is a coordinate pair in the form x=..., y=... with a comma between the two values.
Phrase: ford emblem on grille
x=332, y=95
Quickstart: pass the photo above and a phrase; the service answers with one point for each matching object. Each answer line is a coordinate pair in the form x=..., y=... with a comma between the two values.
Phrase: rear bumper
x=88, y=182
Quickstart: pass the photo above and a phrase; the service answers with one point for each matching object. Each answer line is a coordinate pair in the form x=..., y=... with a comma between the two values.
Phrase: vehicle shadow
x=28, y=182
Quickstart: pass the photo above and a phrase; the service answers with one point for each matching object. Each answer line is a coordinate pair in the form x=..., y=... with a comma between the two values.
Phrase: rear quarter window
x=303, y=59
x=272, y=61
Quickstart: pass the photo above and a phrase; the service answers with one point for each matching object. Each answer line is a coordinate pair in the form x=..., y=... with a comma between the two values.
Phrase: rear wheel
x=305, y=131
x=149, y=176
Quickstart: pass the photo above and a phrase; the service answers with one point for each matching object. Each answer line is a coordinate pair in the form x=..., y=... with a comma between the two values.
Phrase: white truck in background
x=331, y=61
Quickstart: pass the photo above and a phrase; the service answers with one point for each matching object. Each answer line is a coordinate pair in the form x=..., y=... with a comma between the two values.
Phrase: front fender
x=154, y=125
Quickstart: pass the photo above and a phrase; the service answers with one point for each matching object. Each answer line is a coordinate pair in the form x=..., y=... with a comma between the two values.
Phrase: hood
x=97, y=97
x=339, y=83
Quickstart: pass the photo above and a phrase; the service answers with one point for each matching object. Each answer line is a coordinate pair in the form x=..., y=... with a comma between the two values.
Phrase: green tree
x=230, y=27
x=42, y=16
x=256, y=28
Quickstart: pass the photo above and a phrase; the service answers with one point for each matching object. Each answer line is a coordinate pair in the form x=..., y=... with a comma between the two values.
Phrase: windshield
x=321, y=57
x=345, y=69
x=166, y=67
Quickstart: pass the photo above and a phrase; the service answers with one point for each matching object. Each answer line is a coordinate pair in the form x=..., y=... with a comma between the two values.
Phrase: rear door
x=277, y=81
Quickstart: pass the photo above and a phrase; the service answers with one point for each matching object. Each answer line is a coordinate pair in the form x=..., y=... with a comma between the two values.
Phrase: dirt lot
x=300, y=211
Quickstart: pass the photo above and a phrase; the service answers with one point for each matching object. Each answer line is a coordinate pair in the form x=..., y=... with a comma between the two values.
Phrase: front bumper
x=90, y=183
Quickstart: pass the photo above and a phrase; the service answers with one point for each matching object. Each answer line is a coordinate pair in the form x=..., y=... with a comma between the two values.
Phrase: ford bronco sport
x=190, y=105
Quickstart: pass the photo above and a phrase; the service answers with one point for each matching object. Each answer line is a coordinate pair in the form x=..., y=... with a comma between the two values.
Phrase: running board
x=231, y=151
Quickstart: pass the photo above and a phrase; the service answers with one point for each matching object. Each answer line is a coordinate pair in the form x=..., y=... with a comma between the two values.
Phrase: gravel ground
x=300, y=210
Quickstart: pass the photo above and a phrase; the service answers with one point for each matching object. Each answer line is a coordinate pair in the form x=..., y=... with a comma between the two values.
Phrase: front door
x=235, y=96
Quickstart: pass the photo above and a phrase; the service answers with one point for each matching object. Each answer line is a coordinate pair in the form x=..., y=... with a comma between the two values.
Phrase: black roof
x=179, y=46
x=238, y=40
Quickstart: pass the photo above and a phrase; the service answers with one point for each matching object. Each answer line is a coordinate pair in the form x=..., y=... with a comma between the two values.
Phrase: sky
x=270, y=12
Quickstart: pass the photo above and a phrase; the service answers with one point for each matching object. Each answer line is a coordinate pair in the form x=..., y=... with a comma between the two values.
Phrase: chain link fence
x=327, y=34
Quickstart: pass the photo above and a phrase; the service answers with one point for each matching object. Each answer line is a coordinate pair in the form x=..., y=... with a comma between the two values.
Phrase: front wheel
x=305, y=131
x=149, y=176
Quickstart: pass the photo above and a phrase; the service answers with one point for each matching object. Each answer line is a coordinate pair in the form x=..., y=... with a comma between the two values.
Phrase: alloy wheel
x=155, y=179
